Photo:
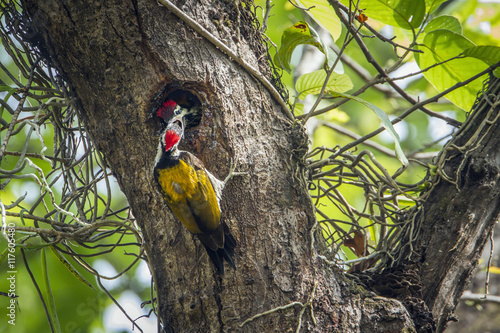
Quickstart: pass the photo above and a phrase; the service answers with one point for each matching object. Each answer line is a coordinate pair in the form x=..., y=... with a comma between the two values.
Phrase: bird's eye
x=177, y=112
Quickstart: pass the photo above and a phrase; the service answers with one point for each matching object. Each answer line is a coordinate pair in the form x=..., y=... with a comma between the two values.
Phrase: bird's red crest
x=166, y=109
x=171, y=138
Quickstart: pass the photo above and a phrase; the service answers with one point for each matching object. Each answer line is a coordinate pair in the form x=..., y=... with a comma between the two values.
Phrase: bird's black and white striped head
x=170, y=137
x=170, y=109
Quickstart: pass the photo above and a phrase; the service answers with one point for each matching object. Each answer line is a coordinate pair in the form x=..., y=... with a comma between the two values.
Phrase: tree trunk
x=461, y=208
x=118, y=56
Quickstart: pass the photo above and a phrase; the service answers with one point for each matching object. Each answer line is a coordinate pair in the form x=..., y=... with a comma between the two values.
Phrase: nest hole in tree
x=185, y=99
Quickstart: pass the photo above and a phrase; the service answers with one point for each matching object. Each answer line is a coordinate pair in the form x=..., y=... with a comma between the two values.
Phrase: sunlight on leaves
x=299, y=33
x=440, y=45
x=487, y=53
x=444, y=22
x=324, y=14
x=312, y=83
x=432, y=5
x=406, y=14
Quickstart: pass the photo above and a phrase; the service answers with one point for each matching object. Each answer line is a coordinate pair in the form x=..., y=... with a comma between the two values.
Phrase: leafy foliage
x=407, y=14
x=356, y=209
x=439, y=47
x=299, y=33
x=490, y=54
x=322, y=12
x=312, y=83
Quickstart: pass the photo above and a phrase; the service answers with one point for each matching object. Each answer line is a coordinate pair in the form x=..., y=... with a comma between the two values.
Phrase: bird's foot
x=233, y=173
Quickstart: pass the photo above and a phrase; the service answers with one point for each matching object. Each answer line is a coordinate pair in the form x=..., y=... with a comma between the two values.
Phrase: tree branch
x=452, y=229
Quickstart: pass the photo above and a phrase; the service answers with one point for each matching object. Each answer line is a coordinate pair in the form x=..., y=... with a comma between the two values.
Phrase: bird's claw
x=232, y=173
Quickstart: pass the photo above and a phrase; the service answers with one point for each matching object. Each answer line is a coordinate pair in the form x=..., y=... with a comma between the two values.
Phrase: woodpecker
x=192, y=193
x=170, y=108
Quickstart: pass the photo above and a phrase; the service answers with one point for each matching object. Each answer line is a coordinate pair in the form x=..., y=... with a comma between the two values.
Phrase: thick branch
x=461, y=208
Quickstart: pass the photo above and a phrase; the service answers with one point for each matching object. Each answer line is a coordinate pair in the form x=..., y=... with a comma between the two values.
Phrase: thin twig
x=17, y=111
x=265, y=313
x=290, y=305
x=487, y=280
x=266, y=15
x=47, y=314
x=479, y=298
x=373, y=144
x=418, y=105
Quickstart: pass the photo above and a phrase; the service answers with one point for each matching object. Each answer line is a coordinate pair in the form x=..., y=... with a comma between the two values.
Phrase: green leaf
x=49, y=295
x=325, y=15
x=487, y=53
x=4, y=87
x=298, y=108
x=440, y=45
x=299, y=33
x=70, y=268
x=444, y=22
x=432, y=5
x=386, y=123
x=312, y=83
x=406, y=14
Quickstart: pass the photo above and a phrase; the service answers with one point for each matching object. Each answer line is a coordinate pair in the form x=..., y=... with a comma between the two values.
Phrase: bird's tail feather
x=226, y=253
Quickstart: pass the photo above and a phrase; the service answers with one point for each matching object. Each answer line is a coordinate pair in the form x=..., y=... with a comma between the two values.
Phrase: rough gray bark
x=116, y=56
x=461, y=208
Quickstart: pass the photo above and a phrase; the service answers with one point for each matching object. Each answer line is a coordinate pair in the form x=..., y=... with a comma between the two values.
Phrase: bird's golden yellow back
x=191, y=197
